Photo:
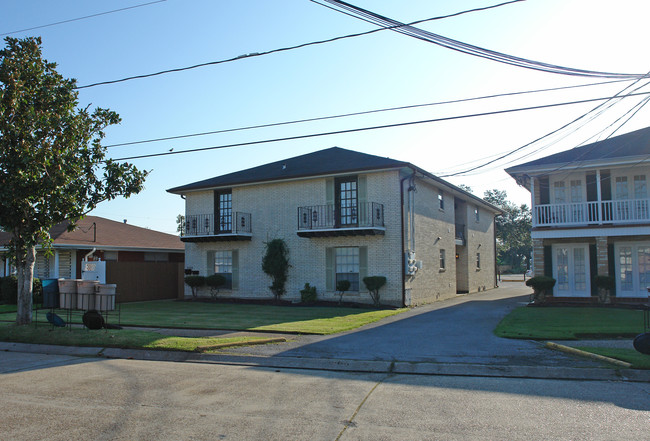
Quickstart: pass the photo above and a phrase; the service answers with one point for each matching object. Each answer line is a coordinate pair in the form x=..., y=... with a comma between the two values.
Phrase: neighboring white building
x=591, y=215
x=343, y=215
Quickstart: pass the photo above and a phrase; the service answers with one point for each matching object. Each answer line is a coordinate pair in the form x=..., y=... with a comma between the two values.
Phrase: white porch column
x=532, y=200
x=600, y=205
x=55, y=273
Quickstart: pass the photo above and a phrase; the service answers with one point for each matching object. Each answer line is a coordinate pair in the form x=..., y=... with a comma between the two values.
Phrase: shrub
x=275, y=263
x=541, y=286
x=374, y=284
x=215, y=281
x=341, y=287
x=9, y=290
x=308, y=294
x=195, y=282
x=605, y=285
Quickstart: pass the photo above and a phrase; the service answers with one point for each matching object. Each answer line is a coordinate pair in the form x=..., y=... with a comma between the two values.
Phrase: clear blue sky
x=380, y=70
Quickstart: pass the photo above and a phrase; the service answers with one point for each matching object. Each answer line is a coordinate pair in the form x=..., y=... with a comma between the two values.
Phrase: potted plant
x=541, y=286
x=605, y=285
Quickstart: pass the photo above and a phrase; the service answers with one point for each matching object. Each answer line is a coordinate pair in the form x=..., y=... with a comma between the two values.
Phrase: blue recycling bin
x=50, y=293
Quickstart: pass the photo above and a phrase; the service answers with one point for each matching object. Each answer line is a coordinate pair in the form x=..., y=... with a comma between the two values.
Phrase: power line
x=81, y=18
x=617, y=96
x=365, y=112
x=283, y=49
x=384, y=126
x=459, y=46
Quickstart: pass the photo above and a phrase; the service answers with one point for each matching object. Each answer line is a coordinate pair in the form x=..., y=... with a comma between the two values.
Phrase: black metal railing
x=318, y=217
x=211, y=225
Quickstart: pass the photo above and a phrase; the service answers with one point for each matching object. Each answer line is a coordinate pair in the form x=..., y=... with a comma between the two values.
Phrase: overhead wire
x=284, y=49
x=81, y=18
x=407, y=29
x=365, y=112
x=361, y=129
x=518, y=149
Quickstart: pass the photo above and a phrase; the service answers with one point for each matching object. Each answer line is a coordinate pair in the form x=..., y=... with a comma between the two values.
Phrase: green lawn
x=570, y=323
x=636, y=359
x=122, y=338
x=202, y=315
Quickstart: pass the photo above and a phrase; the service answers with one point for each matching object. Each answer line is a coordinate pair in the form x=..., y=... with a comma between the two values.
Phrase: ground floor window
x=442, y=259
x=223, y=266
x=347, y=266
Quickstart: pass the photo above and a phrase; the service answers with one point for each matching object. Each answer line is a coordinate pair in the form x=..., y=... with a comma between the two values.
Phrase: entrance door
x=632, y=269
x=571, y=270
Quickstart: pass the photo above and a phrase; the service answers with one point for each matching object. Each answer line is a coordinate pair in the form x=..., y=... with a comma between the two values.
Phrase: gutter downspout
x=401, y=199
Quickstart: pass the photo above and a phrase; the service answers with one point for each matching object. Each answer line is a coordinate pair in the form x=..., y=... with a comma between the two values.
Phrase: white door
x=632, y=269
x=571, y=270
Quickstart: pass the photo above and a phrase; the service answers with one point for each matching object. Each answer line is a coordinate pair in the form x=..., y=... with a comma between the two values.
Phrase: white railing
x=589, y=213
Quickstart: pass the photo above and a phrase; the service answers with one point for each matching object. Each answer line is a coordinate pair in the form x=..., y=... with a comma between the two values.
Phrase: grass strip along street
x=575, y=323
x=321, y=320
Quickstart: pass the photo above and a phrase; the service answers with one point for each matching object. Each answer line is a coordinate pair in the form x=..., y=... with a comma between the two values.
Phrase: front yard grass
x=321, y=320
x=570, y=323
x=573, y=323
x=119, y=338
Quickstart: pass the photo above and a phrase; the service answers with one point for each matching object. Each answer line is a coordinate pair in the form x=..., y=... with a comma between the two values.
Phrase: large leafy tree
x=52, y=164
x=514, y=244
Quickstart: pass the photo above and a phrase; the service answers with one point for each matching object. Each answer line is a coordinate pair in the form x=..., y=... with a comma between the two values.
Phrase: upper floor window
x=223, y=211
x=621, y=187
x=640, y=187
x=441, y=200
x=442, y=259
x=477, y=215
x=478, y=261
x=347, y=200
x=559, y=192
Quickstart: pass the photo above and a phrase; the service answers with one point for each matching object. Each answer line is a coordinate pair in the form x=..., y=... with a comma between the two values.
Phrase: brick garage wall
x=274, y=211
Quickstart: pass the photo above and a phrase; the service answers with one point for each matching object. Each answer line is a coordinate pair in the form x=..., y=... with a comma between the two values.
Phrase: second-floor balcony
x=211, y=228
x=361, y=219
x=625, y=211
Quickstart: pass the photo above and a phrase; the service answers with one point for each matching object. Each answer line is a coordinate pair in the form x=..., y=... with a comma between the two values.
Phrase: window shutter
x=329, y=191
x=210, y=263
x=235, y=269
x=362, y=189
x=363, y=267
x=548, y=261
x=330, y=276
x=611, y=264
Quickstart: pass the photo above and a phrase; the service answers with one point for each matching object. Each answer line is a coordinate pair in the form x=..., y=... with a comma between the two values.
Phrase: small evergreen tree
x=215, y=282
x=341, y=287
x=195, y=282
x=275, y=263
x=374, y=284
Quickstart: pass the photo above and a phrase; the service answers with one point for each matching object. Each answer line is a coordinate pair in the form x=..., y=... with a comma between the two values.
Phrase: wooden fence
x=138, y=281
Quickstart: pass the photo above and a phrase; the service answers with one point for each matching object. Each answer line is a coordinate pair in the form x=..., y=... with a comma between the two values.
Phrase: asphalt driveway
x=458, y=330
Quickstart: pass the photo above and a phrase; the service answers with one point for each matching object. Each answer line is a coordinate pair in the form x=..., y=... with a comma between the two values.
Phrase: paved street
x=47, y=397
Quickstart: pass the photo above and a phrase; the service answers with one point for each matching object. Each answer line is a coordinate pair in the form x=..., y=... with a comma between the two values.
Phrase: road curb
x=581, y=353
x=345, y=365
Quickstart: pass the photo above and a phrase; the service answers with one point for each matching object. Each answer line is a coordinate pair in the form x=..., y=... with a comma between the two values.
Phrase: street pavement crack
x=350, y=422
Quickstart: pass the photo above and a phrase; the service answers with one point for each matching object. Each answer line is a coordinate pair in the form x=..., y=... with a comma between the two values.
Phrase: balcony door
x=347, y=202
x=223, y=211
x=571, y=270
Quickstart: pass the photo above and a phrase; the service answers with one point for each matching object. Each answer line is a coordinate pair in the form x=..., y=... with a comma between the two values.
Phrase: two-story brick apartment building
x=343, y=215
x=591, y=215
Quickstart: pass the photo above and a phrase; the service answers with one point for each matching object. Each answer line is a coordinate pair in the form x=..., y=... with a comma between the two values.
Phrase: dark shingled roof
x=108, y=233
x=322, y=162
x=633, y=144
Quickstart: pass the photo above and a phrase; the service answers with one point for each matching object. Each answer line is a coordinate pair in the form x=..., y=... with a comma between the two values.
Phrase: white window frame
x=571, y=273
x=637, y=289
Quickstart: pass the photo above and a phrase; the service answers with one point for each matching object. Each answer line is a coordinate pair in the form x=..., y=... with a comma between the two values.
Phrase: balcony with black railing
x=362, y=219
x=211, y=228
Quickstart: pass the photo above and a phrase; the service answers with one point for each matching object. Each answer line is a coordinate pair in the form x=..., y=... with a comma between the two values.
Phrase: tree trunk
x=25, y=268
